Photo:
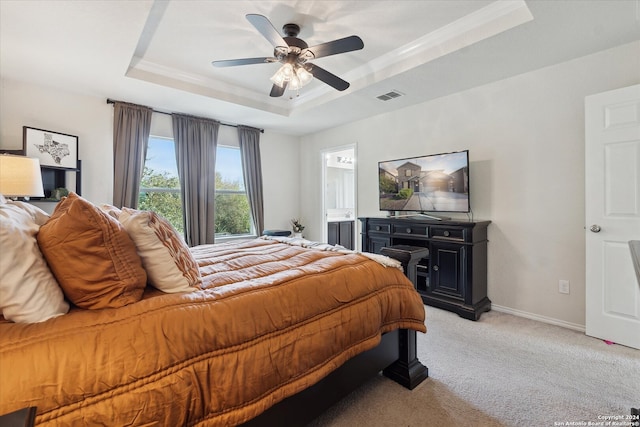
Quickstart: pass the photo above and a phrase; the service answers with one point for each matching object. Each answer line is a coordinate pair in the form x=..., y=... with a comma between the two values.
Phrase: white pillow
x=165, y=256
x=29, y=292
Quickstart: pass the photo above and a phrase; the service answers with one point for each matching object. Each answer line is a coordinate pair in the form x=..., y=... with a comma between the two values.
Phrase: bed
x=267, y=330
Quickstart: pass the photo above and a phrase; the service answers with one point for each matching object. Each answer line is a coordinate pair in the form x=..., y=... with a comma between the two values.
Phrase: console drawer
x=413, y=229
x=448, y=233
x=379, y=227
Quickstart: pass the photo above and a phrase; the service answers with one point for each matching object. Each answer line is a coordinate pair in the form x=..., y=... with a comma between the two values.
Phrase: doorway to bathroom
x=339, y=198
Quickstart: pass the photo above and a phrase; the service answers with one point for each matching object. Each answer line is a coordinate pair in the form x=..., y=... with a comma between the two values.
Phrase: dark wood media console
x=453, y=276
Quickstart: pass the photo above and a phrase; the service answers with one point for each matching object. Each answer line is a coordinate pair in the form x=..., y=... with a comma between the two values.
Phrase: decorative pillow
x=166, y=257
x=28, y=291
x=110, y=210
x=91, y=255
x=38, y=215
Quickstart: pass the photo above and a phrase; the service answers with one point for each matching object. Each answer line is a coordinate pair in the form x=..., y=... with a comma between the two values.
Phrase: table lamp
x=20, y=176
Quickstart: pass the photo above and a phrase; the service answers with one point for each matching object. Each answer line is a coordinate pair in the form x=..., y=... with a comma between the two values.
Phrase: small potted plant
x=297, y=227
x=59, y=193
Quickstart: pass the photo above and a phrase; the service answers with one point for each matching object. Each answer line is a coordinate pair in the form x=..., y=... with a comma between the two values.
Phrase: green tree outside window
x=160, y=189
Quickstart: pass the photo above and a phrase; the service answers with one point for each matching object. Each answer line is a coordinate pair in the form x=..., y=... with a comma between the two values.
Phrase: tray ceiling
x=159, y=53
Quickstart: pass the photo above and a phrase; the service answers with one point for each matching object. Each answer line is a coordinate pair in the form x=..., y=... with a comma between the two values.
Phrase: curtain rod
x=111, y=101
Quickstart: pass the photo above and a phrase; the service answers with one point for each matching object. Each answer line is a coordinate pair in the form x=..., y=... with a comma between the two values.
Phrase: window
x=160, y=186
x=233, y=215
x=160, y=189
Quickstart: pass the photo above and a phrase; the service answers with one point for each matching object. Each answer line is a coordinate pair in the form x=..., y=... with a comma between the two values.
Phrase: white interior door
x=612, y=213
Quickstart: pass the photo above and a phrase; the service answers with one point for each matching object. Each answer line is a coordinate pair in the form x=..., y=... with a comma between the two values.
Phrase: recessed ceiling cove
x=180, y=40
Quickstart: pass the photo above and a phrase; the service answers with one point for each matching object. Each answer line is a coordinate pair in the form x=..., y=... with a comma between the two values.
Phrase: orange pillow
x=92, y=256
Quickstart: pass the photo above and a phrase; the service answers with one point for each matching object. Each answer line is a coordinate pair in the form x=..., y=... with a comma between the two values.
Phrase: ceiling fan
x=294, y=54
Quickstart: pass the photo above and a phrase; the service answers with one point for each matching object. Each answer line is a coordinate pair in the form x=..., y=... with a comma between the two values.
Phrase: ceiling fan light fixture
x=287, y=70
x=284, y=74
x=294, y=76
x=280, y=77
x=304, y=76
x=294, y=83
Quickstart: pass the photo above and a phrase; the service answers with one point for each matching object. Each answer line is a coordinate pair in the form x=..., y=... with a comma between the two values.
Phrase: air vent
x=390, y=95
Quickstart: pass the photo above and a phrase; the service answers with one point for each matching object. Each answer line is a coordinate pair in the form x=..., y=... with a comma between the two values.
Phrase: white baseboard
x=544, y=319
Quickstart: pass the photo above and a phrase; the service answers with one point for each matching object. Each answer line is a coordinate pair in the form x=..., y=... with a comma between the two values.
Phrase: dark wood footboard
x=407, y=369
x=395, y=356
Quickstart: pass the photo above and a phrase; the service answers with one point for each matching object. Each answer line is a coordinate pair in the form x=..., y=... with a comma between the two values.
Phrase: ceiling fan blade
x=327, y=77
x=346, y=44
x=277, y=91
x=244, y=61
x=266, y=28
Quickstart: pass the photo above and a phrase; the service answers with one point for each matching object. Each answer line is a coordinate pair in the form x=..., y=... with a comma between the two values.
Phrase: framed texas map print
x=53, y=149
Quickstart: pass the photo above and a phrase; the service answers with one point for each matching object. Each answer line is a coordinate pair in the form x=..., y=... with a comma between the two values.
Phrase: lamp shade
x=20, y=176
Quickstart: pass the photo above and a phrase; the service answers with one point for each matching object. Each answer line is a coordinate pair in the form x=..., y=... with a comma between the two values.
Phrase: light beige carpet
x=502, y=370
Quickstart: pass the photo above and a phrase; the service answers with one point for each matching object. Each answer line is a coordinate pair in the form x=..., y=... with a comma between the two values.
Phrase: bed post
x=407, y=370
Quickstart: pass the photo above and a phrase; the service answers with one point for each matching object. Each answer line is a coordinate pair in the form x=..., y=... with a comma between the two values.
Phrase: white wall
x=526, y=140
x=91, y=119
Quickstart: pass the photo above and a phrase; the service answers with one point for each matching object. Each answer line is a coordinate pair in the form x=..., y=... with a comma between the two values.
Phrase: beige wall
x=526, y=140
x=91, y=119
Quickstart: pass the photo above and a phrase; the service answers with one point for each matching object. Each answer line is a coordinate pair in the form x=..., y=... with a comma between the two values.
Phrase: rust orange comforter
x=271, y=320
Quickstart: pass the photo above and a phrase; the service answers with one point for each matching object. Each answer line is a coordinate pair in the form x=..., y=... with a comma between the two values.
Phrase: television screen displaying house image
x=432, y=183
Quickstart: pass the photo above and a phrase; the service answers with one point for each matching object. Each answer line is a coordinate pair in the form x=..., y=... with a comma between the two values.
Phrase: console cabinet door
x=340, y=233
x=447, y=270
x=333, y=233
x=346, y=234
x=376, y=243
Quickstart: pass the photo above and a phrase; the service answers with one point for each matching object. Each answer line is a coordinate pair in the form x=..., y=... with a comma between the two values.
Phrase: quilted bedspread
x=271, y=319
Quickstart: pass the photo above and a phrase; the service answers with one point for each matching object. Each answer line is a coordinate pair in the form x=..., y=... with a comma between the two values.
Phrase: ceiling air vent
x=390, y=95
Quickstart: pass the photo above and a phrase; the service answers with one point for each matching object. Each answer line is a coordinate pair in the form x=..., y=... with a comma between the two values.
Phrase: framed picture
x=53, y=149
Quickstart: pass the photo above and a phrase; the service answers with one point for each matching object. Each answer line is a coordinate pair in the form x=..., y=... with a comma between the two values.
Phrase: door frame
x=323, y=187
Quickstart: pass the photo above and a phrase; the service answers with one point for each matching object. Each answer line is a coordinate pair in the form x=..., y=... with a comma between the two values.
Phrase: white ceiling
x=159, y=53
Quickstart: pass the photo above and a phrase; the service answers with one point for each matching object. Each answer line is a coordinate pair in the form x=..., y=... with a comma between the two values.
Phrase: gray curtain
x=131, y=127
x=195, y=140
x=252, y=170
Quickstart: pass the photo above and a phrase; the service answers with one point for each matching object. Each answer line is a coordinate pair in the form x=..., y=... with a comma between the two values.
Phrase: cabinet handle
x=436, y=268
x=408, y=231
x=377, y=228
x=446, y=233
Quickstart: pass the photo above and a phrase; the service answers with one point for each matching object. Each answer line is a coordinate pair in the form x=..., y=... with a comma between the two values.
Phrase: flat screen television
x=431, y=183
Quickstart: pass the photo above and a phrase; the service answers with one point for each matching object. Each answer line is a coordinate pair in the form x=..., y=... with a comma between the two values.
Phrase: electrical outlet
x=563, y=286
